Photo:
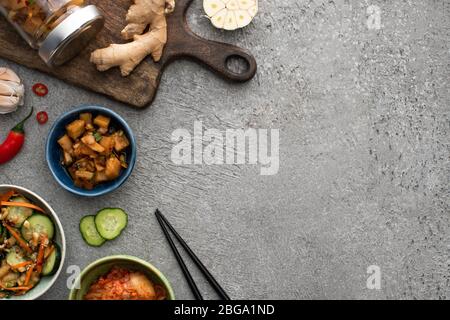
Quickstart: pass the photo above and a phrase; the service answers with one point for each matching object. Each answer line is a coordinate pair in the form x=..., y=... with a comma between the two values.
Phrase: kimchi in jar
x=58, y=29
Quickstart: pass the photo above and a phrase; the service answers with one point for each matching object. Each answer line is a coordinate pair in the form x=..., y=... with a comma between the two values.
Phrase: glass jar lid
x=71, y=36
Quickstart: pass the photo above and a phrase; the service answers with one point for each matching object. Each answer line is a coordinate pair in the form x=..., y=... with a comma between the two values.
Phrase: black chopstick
x=212, y=281
x=183, y=266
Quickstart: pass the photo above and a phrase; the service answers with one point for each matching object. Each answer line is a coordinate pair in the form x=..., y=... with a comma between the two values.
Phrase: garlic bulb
x=230, y=14
x=11, y=91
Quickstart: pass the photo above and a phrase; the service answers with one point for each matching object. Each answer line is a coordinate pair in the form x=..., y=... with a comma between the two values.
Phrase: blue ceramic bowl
x=53, y=151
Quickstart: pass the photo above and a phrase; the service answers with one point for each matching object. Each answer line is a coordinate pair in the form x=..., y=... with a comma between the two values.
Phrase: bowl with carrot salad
x=32, y=244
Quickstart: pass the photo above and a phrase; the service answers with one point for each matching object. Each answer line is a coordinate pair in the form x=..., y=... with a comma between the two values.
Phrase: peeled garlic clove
x=253, y=10
x=212, y=7
x=230, y=14
x=243, y=18
x=245, y=4
x=230, y=21
x=11, y=91
x=218, y=20
x=232, y=5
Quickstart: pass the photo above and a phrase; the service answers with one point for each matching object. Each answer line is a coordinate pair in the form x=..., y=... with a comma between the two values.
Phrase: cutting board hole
x=237, y=64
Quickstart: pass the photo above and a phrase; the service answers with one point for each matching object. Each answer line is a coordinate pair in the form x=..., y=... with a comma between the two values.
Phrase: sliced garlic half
x=230, y=14
x=11, y=91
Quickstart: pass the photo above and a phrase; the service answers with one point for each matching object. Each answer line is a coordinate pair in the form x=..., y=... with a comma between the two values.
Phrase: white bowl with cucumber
x=32, y=244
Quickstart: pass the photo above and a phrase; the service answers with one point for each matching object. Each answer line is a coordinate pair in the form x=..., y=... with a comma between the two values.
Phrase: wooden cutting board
x=138, y=89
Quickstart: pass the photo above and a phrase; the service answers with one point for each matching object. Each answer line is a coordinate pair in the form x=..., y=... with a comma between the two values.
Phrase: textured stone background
x=364, y=168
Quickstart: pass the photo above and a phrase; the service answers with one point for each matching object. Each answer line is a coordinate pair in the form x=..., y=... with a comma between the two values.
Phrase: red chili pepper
x=40, y=89
x=14, y=142
x=42, y=117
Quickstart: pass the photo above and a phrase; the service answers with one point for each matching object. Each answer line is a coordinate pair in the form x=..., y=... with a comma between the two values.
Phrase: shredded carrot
x=21, y=204
x=28, y=276
x=49, y=252
x=21, y=265
x=19, y=239
x=16, y=288
x=6, y=196
x=40, y=257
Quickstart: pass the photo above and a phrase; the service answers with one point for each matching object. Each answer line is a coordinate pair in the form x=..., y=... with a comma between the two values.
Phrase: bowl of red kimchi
x=121, y=277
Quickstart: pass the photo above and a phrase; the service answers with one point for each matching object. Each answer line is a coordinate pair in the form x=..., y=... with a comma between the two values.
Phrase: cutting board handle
x=214, y=55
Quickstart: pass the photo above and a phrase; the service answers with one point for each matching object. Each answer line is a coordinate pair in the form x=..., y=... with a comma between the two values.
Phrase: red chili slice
x=42, y=117
x=40, y=89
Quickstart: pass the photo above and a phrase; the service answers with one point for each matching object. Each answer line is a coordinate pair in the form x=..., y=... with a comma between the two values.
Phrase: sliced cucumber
x=15, y=256
x=40, y=224
x=17, y=215
x=90, y=233
x=51, y=265
x=110, y=222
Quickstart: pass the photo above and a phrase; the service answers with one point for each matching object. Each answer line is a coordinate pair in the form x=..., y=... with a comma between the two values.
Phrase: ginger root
x=142, y=14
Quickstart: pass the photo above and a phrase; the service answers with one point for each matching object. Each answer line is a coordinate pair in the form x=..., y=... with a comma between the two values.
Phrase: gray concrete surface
x=364, y=157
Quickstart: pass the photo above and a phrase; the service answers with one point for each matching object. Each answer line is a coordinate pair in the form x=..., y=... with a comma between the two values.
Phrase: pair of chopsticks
x=166, y=226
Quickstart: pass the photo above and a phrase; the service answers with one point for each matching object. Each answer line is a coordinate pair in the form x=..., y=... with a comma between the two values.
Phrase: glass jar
x=58, y=29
